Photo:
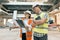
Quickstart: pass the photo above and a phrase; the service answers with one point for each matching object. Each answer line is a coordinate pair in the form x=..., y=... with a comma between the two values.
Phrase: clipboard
x=21, y=23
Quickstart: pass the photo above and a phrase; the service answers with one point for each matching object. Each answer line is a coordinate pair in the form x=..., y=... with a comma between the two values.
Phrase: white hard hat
x=27, y=12
x=34, y=5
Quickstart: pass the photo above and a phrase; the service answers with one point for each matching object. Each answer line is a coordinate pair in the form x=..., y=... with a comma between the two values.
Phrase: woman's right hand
x=27, y=28
x=33, y=24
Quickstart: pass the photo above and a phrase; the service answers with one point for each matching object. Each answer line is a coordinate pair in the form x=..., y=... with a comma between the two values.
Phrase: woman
x=28, y=28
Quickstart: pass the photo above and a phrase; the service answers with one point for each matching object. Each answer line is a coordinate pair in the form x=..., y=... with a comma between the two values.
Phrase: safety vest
x=28, y=34
x=43, y=28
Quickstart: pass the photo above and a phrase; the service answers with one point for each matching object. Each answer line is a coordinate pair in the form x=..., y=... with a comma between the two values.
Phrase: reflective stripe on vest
x=41, y=28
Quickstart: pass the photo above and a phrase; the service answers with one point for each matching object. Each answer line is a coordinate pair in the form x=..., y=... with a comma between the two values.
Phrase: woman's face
x=27, y=15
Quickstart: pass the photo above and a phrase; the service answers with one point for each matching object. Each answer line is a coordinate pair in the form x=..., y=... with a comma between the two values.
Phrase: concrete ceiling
x=22, y=8
x=4, y=1
x=25, y=7
x=54, y=1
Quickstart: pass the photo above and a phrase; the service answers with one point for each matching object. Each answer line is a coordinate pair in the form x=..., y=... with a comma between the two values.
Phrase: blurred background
x=13, y=9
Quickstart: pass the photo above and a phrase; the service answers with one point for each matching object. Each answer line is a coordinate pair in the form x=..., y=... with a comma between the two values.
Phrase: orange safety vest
x=28, y=34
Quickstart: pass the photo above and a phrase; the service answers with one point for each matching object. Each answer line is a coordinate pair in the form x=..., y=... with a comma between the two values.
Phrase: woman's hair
x=29, y=16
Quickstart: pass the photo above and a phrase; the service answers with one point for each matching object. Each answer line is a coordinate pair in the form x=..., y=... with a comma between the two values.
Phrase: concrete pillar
x=14, y=14
x=4, y=21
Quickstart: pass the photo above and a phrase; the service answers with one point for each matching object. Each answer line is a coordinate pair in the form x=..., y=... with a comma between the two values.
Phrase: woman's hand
x=28, y=28
x=33, y=24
